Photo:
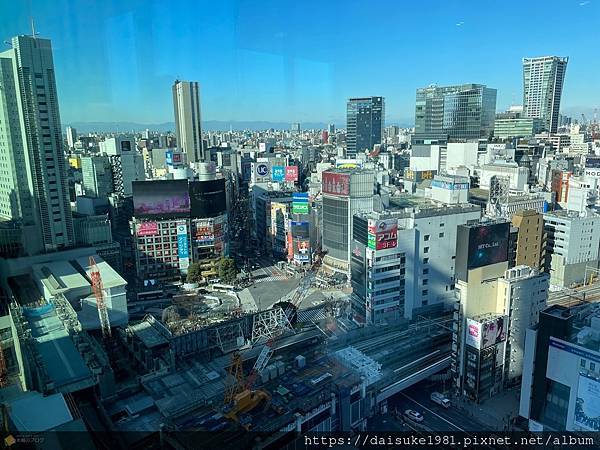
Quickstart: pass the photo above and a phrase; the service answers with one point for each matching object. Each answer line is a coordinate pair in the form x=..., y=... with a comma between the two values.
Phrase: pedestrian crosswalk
x=270, y=278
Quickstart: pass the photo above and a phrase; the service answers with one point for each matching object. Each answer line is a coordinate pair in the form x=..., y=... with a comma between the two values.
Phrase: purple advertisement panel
x=161, y=198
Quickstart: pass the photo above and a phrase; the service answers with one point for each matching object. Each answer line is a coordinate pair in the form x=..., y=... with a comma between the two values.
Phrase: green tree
x=227, y=270
x=194, y=274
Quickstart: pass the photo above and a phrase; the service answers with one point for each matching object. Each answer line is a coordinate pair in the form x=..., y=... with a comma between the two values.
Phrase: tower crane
x=99, y=294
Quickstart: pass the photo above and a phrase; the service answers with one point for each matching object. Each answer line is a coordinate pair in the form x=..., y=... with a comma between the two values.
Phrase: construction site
x=205, y=364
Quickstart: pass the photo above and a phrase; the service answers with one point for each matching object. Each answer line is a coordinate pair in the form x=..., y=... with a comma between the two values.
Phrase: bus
x=219, y=287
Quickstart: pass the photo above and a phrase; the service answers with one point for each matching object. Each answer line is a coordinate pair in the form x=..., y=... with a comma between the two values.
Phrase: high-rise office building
x=34, y=187
x=365, y=119
x=543, y=80
x=459, y=112
x=97, y=176
x=71, y=137
x=186, y=104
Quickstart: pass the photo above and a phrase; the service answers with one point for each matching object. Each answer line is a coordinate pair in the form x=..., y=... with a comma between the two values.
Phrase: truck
x=440, y=399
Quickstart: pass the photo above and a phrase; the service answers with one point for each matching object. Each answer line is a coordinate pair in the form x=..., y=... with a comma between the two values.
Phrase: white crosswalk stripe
x=271, y=278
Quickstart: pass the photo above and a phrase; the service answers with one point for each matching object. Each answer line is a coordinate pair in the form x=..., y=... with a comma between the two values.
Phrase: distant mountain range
x=209, y=125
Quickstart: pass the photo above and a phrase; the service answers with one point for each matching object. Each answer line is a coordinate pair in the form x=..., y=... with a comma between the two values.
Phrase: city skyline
x=284, y=64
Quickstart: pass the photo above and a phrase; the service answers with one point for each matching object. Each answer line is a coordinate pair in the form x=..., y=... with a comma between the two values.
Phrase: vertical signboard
x=291, y=173
x=382, y=234
x=300, y=203
x=278, y=173
x=183, y=251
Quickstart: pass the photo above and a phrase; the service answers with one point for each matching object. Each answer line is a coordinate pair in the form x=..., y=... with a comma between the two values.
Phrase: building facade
x=34, y=187
x=543, y=80
x=365, y=118
x=459, y=112
x=186, y=105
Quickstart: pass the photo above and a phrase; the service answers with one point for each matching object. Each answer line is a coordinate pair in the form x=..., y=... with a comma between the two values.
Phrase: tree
x=194, y=274
x=227, y=270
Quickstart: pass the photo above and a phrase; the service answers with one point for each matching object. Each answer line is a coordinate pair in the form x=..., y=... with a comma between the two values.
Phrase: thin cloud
x=584, y=3
x=460, y=24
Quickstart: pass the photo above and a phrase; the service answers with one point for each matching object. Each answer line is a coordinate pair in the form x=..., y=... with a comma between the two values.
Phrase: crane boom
x=99, y=294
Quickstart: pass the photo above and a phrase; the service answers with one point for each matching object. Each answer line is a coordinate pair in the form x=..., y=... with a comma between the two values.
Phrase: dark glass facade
x=364, y=124
x=335, y=226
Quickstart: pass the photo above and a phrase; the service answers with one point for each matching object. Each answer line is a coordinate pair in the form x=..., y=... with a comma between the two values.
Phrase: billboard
x=488, y=244
x=592, y=162
x=450, y=186
x=300, y=203
x=147, y=229
x=208, y=198
x=291, y=173
x=336, y=183
x=494, y=332
x=300, y=230
x=262, y=169
x=419, y=175
x=173, y=157
x=382, y=234
x=183, y=251
x=485, y=334
x=302, y=250
x=473, y=337
x=164, y=198
x=587, y=403
x=278, y=173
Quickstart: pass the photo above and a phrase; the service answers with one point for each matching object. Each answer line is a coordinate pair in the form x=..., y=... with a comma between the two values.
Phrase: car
x=440, y=399
x=413, y=415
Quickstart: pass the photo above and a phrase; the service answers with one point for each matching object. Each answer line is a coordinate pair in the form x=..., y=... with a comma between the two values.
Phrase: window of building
x=425, y=281
x=424, y=292
x=441, y=235
x=426, y=238
x=425, y=271
x=426, y=250
x=425, y=260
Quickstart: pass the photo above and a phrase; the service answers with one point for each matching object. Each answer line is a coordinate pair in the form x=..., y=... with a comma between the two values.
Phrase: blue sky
x=282, y=60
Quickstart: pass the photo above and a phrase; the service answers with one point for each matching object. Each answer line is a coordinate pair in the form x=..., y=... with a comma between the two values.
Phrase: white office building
x=571, y=245
x=524, y=291
x=186, y=105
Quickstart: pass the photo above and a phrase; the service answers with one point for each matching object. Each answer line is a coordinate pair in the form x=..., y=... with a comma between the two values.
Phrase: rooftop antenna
x=33, y=32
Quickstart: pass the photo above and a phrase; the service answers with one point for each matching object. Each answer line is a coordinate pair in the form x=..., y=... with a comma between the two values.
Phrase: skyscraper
x=543, y=80
x=71, y=137
x=364, y=124
x=34, y=188
x=459, y=112
x=186, y=104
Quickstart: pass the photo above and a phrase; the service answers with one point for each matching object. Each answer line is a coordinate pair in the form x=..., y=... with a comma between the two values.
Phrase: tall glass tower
x=34, y=186
x=364, y=124
x=462, y=112
x=543, y=80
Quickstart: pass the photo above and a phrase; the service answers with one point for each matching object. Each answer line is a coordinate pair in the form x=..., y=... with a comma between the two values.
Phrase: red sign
x=291, y=173
x=147, y=229
x=336, y=183
x=386, y=234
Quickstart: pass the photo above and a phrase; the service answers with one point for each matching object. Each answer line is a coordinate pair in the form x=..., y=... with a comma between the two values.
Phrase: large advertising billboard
x=183, y=250
x=300, y=230
x=300, y=203
x=592, y=162
x=291, y=173
x=485, y=334
x=488, y=244
x=147, y=229
x=162, y=198
x=208, y=198
x=336, y=183
x=382, y=234
x=262, y=170
x=278, y=173
x=587, y=404
x=301, y=250
x=473, y=335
